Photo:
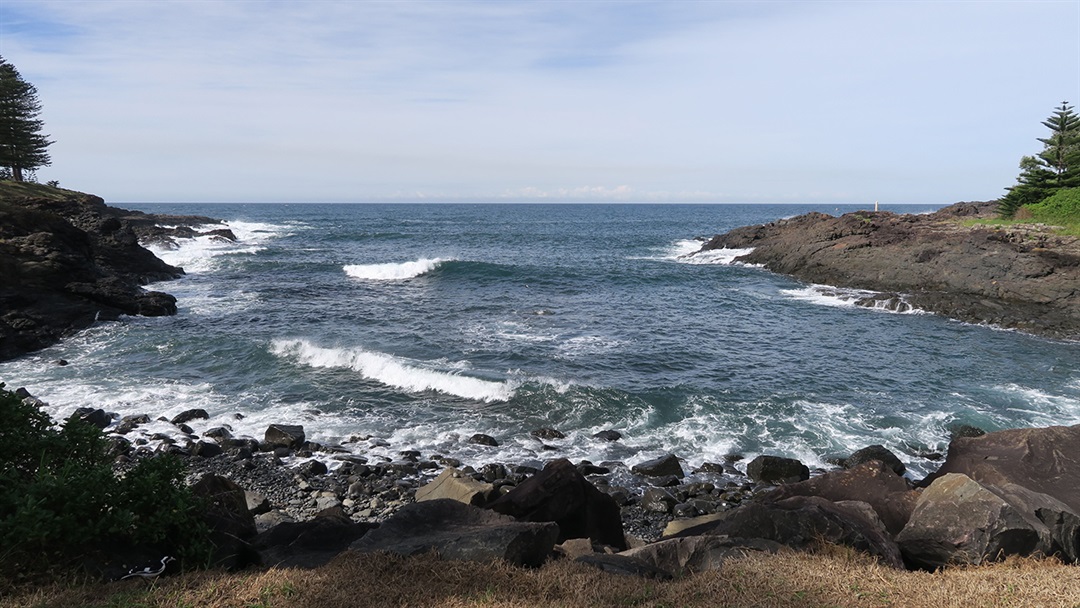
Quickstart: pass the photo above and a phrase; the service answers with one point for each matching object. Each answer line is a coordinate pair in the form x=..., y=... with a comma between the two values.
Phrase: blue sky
x=246, y=100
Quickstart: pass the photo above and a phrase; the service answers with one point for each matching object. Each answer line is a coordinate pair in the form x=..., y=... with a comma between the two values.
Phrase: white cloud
x=902, y=102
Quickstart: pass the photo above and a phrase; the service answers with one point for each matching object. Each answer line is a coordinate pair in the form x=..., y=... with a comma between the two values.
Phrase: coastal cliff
x=67, y=259
x=1024, y=277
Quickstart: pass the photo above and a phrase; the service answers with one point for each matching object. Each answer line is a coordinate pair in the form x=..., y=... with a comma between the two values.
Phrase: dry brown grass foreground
x=833, y=578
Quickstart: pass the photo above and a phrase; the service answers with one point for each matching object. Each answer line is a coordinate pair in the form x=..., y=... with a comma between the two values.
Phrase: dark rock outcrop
x=232, y=525
x=875, y=452
x=660, y=467
x=1021, y=277
x=67, y=260
x=311, y=543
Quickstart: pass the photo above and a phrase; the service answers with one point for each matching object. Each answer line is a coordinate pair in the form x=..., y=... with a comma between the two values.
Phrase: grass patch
x=1060, y=209
x=837, y=577
x=12, y=190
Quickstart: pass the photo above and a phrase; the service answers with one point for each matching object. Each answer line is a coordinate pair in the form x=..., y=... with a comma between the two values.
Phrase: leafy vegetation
x=1062, y=208
x=23, y=147
x=1055, y=168
x=60, y=499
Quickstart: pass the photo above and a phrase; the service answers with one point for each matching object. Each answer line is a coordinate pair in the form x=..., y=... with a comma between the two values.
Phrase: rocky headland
x=1023, y=276
x=67, y=259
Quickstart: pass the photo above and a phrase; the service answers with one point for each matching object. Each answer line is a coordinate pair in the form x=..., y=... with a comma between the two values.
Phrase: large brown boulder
x=873, y=482
x=1045, y=460
x=802, y=522
x=463, y=532
x=959, y=521
x=561, y=494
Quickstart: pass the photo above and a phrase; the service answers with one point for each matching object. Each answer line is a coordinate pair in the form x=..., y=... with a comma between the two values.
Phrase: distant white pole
x=875, y=205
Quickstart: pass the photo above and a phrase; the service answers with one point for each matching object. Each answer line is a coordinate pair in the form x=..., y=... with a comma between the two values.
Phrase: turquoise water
x=416, y=326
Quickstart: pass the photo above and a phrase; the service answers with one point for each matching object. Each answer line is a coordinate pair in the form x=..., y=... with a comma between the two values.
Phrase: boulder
x=872, y=482
x=957, y=520
x=229, y=520
x=675, y=526
x=189, y=415
x=802, y=522
x=455, y=485
x=624, y=565
x=559, y=493
x=875, y=452
x=657, y=500
x=659, y=467
x=774, y=469
x=311, y=543
x=96, y=417
x=459, y=531
x=128, y=423
x=289, y=436
x=548, y=433
x=608, y=435
x=206, y=449
x=482, y=439
x=1044, y=460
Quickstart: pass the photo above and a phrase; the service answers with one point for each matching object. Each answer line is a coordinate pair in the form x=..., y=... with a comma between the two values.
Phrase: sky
x=622, y=101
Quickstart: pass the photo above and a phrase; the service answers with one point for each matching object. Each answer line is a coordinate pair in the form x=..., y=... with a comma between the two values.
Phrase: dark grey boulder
x=482, y=439
x=775, y=469
x=128, y=423
x=548, y=433
x=206, y=449
x=560, y=494
x=290, y=436
x=657, y=500
x=608, y=435
x=659, y=467
x=617, y=563
x=189, y=415
x=459, y=531
x=311, y=543
x=96, y=417
x=232, y=525
x=875, y=452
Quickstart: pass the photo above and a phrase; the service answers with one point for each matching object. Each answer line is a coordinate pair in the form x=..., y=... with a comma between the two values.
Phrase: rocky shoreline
x=67, y=260
x=1022, y=277
x=292, y=502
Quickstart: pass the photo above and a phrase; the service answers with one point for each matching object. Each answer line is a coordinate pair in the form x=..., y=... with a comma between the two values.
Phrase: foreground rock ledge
x=1021, y=277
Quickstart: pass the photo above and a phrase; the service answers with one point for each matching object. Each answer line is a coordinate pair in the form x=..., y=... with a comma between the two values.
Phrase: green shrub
x=60, y=499
x=1062, y=208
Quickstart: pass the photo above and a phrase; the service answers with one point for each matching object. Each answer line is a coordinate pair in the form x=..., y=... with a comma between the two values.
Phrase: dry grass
x=835, y=578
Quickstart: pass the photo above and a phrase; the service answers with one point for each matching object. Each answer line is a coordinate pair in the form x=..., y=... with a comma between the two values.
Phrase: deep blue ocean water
x=416, y=326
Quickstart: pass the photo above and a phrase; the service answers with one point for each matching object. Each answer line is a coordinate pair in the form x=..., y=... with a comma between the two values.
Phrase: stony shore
x=1023, y=277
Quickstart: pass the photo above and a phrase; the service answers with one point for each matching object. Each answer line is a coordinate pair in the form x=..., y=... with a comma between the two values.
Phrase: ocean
x=394, y=327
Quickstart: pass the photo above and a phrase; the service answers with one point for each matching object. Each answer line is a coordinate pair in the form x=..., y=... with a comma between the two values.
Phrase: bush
x=1062, y=208
x=60, y=499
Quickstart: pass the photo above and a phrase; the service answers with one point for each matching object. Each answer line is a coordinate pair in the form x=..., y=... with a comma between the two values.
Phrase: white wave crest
x=837, y=297
x=393, y=271
x=199, y=254
x=393, y=371
x=688, y=251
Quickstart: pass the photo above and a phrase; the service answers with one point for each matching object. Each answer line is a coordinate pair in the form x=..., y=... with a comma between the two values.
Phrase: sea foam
x=838, y=297
x=393, y=271
x=688, y=251
x=393, y=371
x=199, y=254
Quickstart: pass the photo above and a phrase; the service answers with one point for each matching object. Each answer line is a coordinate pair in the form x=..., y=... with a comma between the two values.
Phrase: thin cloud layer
x=622, y=101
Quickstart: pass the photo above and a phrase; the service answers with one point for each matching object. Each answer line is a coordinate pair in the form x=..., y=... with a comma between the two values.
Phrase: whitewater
x=413, y=327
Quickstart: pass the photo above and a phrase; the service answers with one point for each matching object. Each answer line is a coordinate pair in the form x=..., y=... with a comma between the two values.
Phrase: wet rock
x=96, y=417
x=287, y=436
x=774, y=469
x=548, y=433
x=659, y=467
x=964, y=430
x=189, y=415
x=657, y=500
x=482, y=439
x=206, y=449
x=608, y=435
x=875, y=452
x=128, y=423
